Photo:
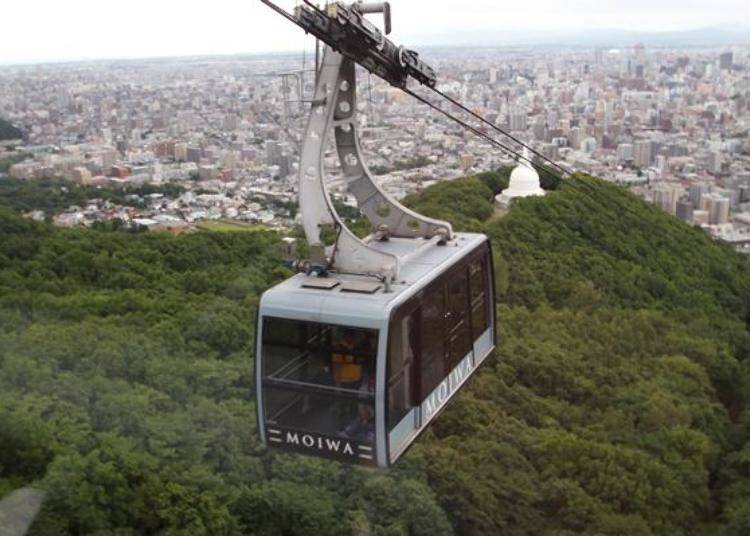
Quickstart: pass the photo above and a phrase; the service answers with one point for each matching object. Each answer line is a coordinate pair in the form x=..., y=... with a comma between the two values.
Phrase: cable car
x=350, y=371
x=362, y=349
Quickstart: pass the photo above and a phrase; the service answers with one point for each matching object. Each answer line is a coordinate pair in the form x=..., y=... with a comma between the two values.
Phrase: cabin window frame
x=346, y=402
x=411, y=308
x=484, y=258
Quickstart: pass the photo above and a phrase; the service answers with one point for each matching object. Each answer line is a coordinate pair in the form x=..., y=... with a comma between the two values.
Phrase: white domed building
x=524, y=182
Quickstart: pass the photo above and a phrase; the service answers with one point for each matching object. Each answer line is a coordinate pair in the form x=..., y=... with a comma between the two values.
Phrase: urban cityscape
x=671, y=124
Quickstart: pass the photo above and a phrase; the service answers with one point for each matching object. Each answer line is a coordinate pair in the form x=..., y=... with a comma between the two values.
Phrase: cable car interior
x=361, y=350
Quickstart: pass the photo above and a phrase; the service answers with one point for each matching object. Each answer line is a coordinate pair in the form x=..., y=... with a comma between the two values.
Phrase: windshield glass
x=318, y=379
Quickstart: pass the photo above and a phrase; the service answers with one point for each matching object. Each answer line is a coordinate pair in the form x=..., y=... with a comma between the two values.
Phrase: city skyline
x=82, y=30
x=671, y=123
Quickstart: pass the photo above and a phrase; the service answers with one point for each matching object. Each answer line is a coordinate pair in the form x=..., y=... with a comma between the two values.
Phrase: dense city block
x=672, y=124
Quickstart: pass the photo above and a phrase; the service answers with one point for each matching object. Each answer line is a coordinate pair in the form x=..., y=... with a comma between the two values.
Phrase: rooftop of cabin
x=362, y=297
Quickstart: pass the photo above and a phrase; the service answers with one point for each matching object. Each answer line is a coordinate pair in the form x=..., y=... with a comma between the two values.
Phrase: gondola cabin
x=350, y=370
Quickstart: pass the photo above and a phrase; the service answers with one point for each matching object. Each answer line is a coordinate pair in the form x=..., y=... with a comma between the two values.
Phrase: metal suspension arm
x=335, y=108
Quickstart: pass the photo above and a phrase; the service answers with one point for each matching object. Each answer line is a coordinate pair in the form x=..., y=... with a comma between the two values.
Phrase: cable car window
x=404, y=347
x=320, y=378
x=457, y=319
x=479, y=290
x=318, y=354
x=432, y=366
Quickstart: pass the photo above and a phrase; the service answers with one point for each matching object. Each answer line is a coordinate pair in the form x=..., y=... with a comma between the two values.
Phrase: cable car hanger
x=334, y=107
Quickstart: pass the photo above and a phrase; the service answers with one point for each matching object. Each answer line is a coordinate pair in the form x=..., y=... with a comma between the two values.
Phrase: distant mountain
x=714, y=36
x=9, y=132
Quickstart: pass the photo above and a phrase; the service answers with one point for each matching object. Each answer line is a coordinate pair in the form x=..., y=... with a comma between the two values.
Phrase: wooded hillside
x=8, y=131
x=616, y=403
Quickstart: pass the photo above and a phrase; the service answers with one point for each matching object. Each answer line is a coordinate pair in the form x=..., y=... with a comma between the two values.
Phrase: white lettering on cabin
x=447, y=388
x=335, y=446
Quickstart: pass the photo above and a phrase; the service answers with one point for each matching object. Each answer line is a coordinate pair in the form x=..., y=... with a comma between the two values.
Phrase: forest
x=8, y=131
x=52, y=195
x=616, y=402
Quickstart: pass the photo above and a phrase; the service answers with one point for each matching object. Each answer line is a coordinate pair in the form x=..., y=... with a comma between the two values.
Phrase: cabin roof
x=339, y=304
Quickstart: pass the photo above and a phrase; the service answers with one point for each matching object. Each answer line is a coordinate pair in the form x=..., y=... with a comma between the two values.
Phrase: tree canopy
x=615, y=403
x=53, y=195
x=8, y=131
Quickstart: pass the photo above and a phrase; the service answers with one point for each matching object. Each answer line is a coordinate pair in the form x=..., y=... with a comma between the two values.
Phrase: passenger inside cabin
x=353, y=361
x=353, y=368
x=345, y=365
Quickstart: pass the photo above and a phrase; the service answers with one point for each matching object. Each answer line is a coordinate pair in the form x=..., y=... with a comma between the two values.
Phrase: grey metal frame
x=334, y=107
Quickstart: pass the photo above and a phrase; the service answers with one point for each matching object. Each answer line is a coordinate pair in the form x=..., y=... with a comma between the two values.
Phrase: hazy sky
x=35, y=30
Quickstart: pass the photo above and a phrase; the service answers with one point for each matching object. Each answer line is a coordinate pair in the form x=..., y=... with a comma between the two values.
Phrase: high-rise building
x=685, y=210
x=714, y=162
x=274, y=152
x=250, y=153
x=180, y=152
x=642, y=155
x=639, y=53
x=576, y=136
x=518, y=120
x=540, y=129
x=194, y=154
x=662, y=164
x=726, y=60
x=697, y=191
x=665, y=197
x=624, y=153
x=717, y=207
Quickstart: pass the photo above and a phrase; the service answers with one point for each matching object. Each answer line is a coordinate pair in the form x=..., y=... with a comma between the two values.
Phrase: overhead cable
x=498, y=129
x=469, y=127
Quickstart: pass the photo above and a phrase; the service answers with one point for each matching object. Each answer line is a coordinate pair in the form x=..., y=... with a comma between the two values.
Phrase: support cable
x=498, y=129
x=492, y=141
x=288, y=16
